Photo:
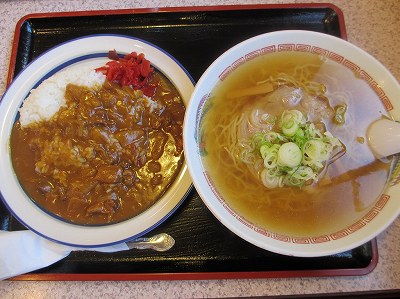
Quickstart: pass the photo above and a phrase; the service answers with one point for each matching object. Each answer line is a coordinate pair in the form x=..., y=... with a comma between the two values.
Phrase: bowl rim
x=298, y=40
x=86, y=50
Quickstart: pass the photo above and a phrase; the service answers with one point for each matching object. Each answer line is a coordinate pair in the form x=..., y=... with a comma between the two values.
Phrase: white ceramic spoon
x=383, y=137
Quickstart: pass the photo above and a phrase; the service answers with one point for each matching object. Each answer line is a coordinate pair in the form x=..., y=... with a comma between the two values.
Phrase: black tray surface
x=204, y=247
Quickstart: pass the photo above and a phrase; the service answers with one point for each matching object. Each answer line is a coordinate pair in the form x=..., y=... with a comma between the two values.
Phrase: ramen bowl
x=354, y=199
x=86, y=52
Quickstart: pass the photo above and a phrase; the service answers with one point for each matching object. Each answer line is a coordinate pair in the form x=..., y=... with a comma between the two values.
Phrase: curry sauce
x=106, y=156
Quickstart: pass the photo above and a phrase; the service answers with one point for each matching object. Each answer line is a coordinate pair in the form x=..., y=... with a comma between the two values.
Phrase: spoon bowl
x=383, y=137
x=160, y=242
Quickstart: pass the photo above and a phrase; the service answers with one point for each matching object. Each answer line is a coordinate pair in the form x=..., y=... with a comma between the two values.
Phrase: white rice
x=44, y=101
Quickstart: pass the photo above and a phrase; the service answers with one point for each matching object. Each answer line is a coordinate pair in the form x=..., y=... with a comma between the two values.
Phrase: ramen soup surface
x=104, y=158
x=348, y=187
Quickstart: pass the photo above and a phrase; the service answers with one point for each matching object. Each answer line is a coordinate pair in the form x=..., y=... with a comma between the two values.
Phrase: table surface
x=371, y=25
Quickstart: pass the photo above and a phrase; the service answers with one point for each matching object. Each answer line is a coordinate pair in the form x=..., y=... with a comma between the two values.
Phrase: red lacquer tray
x=195, y=36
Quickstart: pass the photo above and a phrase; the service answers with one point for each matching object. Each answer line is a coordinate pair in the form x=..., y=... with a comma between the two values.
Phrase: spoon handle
x=159, y=242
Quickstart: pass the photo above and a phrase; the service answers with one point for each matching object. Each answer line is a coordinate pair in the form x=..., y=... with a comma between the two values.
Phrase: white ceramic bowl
x=90, y=50
x=374, y=220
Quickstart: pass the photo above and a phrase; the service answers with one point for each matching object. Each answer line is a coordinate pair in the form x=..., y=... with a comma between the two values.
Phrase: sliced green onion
x=271, y=181
x=289, y=155
x=299, y=176
x=315, y=152
x=291, y=121
x=294, y=155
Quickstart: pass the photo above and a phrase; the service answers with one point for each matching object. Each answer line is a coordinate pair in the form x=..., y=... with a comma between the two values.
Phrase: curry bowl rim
x=67, y=54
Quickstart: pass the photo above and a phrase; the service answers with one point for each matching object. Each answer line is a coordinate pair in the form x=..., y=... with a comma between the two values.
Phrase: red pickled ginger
x=131, y=70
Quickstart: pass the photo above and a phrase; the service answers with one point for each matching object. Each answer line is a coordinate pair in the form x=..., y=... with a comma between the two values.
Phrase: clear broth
x=351, y=184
